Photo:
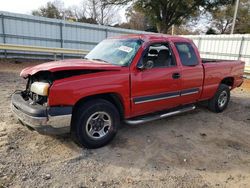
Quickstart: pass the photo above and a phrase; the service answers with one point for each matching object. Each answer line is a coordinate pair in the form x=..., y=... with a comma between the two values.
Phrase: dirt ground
x=196, y=149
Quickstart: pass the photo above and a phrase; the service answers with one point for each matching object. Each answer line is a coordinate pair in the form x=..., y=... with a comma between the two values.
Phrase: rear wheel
x=220, y=100
x=96, y=123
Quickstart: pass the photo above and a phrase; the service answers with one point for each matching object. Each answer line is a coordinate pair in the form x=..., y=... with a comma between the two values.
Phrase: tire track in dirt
x=3, y=139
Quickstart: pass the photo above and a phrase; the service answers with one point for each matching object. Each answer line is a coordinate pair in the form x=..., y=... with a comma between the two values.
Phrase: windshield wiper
x=100, y=60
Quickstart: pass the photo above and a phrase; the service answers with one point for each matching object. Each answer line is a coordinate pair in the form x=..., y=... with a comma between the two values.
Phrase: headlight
x=40, y=88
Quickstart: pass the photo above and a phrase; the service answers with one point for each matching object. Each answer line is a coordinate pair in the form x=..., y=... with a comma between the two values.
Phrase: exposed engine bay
x=37, y=88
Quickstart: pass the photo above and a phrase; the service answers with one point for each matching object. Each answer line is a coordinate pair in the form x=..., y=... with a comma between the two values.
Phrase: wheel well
x=228, y=81
x=114, y=98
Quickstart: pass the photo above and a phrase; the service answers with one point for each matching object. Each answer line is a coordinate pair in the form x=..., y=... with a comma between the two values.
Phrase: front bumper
x=45, y=120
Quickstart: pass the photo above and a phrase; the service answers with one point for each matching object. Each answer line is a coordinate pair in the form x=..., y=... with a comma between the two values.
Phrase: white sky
x=26, y=6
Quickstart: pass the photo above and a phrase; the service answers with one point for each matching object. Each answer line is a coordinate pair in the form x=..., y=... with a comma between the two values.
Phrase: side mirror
x=147, y=65
x=140, y=66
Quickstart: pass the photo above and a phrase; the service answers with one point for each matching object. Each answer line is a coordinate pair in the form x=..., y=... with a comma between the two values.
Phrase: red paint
x=69, y=64
x=129, y=82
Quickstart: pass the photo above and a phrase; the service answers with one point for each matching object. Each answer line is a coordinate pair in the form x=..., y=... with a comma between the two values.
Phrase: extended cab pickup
x=134, y=79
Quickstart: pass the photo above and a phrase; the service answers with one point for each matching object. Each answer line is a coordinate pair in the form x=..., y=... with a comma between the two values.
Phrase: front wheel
x=220, y=100
x=96, y=123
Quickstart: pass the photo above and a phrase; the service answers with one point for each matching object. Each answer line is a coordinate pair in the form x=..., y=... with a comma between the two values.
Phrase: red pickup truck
x=134, y=79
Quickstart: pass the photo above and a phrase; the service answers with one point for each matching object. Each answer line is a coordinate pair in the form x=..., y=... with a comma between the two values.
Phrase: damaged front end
x=31, y=105
x=38, y=85
x=37, y=88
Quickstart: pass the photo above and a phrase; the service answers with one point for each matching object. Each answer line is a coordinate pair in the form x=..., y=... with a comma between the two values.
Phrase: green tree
x=137, y=20
x=165, y=13
x=222, y=18
x=50, y=10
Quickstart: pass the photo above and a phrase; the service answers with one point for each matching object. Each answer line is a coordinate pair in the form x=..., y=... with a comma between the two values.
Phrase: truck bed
x=216, y=70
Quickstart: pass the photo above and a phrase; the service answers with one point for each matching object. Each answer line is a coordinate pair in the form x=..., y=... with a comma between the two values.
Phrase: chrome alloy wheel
x=222, y=100
x=98, y=125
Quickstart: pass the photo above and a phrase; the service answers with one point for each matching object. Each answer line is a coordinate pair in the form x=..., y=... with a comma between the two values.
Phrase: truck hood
x=70, y=64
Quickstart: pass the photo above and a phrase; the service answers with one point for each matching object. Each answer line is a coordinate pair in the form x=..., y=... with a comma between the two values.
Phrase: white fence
x=232, y=47
x=20, y=29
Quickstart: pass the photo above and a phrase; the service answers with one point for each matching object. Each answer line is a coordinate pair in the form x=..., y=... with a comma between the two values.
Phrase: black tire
x=214, y=104
x=84, y=114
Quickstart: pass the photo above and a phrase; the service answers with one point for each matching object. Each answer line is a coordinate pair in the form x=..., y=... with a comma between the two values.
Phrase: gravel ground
x=196, y=149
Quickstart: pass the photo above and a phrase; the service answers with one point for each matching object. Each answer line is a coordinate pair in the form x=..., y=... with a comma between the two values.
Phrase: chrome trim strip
x=168, y=95
x=189, y=93
x=157, y=99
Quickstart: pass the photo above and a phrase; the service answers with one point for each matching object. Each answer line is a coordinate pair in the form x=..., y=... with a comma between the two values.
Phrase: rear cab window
x=187, y=54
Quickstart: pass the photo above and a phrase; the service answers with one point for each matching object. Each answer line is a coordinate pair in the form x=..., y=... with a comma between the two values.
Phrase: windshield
x=115, y=51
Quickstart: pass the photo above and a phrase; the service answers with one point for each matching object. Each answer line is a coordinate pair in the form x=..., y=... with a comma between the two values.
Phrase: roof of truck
x=151, y=36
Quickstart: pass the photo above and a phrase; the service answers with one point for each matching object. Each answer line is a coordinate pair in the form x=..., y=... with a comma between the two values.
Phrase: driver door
x=156, y=86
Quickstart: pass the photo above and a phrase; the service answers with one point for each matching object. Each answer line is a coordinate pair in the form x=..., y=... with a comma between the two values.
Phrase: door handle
x=176, y=75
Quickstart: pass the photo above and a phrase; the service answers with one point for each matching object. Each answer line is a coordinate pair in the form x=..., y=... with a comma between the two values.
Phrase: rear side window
x=186, y=53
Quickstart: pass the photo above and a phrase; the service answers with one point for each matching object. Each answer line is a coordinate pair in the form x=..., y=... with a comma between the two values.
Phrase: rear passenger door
x=191, y=72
